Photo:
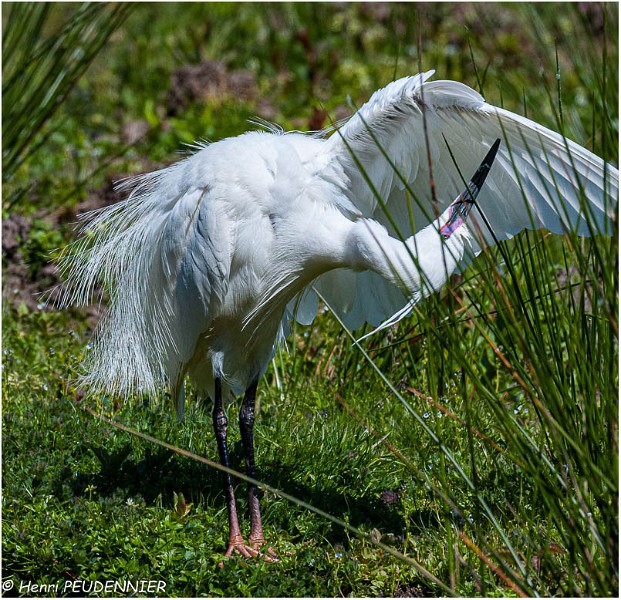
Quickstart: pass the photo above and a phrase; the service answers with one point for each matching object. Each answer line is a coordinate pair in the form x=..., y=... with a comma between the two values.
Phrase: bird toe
x=238, y=545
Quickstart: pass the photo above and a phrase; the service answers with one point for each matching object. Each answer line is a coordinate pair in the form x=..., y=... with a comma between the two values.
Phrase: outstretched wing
x=539, y=180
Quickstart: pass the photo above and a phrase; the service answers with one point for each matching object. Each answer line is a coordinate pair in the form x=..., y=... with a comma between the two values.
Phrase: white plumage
x=206, y=259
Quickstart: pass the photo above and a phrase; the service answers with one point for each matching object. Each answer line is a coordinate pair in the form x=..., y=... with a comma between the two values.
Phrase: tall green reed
x=44, y=54
x=527, y=344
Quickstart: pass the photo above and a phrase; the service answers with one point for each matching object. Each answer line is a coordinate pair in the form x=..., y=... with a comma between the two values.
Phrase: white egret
x=208, y=259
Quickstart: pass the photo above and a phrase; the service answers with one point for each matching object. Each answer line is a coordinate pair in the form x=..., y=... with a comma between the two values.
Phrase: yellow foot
x=249, y=551
x=257, y=541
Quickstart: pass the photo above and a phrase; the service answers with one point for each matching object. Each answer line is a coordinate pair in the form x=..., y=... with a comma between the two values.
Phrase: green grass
x=471, y=451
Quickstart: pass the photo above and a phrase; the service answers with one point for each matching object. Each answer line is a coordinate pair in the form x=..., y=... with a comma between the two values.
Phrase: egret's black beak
x=478, y=179
x=459, y=210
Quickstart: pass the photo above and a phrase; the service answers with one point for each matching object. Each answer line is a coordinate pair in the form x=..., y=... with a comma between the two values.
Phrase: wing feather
x=540, y=179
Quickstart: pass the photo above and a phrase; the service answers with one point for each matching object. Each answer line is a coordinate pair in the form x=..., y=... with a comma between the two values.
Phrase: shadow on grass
x=160, y=474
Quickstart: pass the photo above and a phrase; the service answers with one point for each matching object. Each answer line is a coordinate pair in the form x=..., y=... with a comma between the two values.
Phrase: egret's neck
x=420, y=265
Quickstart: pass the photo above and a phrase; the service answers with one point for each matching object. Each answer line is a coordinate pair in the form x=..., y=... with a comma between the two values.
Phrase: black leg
x=246, y=424
x=220, y=423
